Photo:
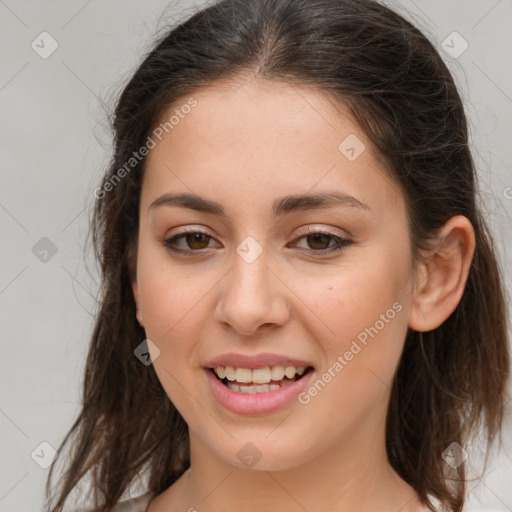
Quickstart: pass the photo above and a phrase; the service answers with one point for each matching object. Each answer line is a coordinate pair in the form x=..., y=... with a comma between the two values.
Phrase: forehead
x=245, y=114
x=249, y=137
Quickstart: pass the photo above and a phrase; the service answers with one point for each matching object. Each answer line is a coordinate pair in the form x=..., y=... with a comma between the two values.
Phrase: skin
x=245, y=144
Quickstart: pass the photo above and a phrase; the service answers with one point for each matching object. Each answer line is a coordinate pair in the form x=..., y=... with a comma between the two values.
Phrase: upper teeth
x=259, y=375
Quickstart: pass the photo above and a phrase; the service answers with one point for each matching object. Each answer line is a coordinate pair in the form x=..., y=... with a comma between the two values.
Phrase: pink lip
x=259, y=403
x=255, y=361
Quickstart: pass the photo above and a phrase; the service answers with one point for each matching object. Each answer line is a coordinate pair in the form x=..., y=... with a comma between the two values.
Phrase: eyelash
x=342, y=243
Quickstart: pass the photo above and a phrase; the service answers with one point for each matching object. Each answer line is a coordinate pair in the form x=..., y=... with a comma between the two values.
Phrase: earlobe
x=135, y=289
x=132, y=264
x=442, y=276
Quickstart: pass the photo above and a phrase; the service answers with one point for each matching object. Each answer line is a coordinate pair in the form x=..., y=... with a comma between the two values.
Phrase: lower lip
x=258, y=403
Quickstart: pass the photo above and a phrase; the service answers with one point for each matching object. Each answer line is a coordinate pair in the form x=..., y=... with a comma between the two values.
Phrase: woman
x=302, y=307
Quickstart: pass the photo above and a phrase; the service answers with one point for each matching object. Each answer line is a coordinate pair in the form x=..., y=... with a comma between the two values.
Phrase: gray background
x=54, y=146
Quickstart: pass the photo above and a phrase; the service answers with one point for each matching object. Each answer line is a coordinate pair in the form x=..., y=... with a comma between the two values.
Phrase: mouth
x=259, y=380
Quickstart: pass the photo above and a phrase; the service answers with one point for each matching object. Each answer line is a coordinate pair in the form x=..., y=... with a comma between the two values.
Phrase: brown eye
x=318, y=240
x=188, y=242
x=193, y=241
x=196, y=240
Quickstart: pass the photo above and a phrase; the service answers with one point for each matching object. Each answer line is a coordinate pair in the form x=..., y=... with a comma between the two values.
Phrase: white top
x=138, y=504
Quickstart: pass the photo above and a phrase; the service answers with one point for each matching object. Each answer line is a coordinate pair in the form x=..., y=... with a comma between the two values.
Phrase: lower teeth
x=258, y=388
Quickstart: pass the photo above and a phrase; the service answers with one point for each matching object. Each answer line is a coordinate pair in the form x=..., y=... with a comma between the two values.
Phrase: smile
x=242, y=391
x=259, y=380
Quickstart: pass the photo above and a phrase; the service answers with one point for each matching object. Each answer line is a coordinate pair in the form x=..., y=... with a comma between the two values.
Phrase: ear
x=132, y=263
x=442, y=276
x=135, y=289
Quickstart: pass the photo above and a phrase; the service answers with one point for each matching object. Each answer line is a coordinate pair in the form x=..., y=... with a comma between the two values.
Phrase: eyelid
x=309, y=229
x=190, y=228
x=168, y=239
x=341, y=242
x=316, y=228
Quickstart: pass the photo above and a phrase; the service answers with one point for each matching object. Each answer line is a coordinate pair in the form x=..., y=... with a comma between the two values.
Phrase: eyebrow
x=280, y=206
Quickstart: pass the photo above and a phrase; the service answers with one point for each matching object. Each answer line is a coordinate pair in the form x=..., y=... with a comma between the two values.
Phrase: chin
x=263, y=455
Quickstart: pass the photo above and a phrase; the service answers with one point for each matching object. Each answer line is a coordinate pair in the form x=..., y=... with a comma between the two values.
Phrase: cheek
x=362, y=295
x=365, y=309
x=170, y=306
x=369, y=323
x=173, y=309
x=171, y=296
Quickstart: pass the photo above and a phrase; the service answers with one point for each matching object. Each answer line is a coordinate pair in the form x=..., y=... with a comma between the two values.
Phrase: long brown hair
x=450, y=382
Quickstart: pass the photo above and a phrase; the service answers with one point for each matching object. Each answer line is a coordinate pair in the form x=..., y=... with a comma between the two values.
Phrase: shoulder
x=138, y=504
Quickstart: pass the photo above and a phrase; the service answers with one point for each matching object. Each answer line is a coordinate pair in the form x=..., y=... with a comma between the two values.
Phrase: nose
x=252, y=297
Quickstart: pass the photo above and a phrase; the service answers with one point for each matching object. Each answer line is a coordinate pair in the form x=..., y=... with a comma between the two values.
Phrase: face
x=259, y=281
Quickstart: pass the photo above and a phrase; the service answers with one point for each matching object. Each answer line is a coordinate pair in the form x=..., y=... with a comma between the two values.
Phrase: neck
x=356, y=476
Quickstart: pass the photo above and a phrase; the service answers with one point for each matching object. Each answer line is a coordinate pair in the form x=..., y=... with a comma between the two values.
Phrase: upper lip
x=255, y=361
